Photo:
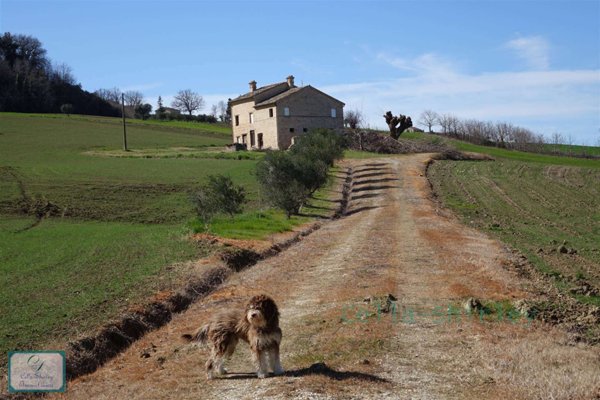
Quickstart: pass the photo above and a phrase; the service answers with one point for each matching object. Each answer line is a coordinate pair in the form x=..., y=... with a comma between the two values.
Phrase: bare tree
x=397, y=123
x=522, y=138
x=133, y=98
x=353, y=119
x=449, y=124
x=429, y=119
x=213, y=110
x=189, y=101
x=63, y=73
x=222, y=107
x=556, y=140
x=113, y=94
x=504, y=132
x=454, y=124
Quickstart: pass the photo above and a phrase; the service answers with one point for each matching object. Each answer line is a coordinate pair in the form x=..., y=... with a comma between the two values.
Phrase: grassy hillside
x=573, y=149
x=65, y=276
x=525, y=156
x=535, y=206
x=220, y=129
x=118, y=223
x=514, y=154
x=52, y=158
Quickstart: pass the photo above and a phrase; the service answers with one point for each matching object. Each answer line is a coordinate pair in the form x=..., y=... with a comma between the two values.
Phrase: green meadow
x=536, y=204
x=119, y=222
x=529, y=157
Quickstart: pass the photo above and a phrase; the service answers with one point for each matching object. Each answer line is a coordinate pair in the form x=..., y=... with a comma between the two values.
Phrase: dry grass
x=543, y=368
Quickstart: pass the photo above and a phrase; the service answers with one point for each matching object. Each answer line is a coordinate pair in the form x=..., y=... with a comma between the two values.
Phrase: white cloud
x=533, y=49
x=427, y=64
x=530, y=98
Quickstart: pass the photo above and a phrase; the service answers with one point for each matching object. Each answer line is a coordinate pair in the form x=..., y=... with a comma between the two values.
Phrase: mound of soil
x=87, y=354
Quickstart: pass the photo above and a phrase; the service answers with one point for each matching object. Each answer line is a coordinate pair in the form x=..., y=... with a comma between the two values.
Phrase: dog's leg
x=228, y=353
x=210, y=368
x=274, y=361
x=214, y=365
x=260, y=362
x=219, y=366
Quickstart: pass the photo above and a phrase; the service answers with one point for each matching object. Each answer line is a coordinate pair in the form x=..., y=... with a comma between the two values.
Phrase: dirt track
x=395, y=241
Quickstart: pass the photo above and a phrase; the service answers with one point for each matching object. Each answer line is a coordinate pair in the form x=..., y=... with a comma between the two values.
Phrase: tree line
x=499, y=134
x=185, y=101
x=30, y=82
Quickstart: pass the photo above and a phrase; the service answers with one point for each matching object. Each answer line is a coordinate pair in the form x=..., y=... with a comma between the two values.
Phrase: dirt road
x=344, y=338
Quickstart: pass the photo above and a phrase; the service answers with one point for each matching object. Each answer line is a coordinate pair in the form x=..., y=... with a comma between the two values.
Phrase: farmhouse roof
x=291, y=92
x=271, y=94
x=280, y=96
x=258, y=91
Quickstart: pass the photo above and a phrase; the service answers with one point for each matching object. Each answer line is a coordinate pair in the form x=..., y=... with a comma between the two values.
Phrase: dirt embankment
x=371, y=307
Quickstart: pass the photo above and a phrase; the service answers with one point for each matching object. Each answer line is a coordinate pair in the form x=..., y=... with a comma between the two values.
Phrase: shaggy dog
x=258, y=326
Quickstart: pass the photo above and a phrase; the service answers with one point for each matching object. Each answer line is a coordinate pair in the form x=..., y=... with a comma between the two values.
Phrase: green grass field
x=54, y=159
x=533, y=206
x=120, y=224
x=573, y=149
x=220, y=129
x=118, y=229
x=525, y=156
x=66, y=276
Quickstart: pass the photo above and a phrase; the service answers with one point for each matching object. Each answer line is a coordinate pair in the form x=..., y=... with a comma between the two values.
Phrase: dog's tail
x=199, y=335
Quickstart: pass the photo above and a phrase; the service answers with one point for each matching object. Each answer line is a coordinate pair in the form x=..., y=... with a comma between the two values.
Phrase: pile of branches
x=377, y=143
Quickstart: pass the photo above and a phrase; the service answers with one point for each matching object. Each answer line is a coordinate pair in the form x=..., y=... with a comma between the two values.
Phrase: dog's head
x=261, y=312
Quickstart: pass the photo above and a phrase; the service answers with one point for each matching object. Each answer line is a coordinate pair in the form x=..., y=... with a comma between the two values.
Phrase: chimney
x=252, y=86
x=290, y=80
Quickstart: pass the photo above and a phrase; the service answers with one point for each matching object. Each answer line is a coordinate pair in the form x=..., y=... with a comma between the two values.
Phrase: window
x=237, y=120
x=251, y=118
x=304, y=130
x=292, y=130
x=238, y=139
x=260, y=141
x=333, y=113
x=270, y=113
x=244, y=139
x=252, y=139
x=286, y=111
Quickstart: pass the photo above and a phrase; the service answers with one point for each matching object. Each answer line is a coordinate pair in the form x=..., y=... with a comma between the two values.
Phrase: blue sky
x=532, y=63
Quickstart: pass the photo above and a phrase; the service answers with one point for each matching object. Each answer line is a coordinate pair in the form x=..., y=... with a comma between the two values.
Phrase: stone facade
x=272, y=116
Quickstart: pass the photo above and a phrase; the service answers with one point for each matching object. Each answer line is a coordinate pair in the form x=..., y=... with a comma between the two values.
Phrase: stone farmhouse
x=270, y=117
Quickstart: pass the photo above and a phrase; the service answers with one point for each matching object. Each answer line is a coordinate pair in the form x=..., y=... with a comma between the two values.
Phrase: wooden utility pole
x=124, y=127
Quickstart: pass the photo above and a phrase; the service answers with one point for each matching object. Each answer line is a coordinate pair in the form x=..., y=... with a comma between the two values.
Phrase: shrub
x=320, y=144
x=142, y=111
x=289, y=178
x=66, y=109
x=281, y=181
x=218, y=195
x=312, y=173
